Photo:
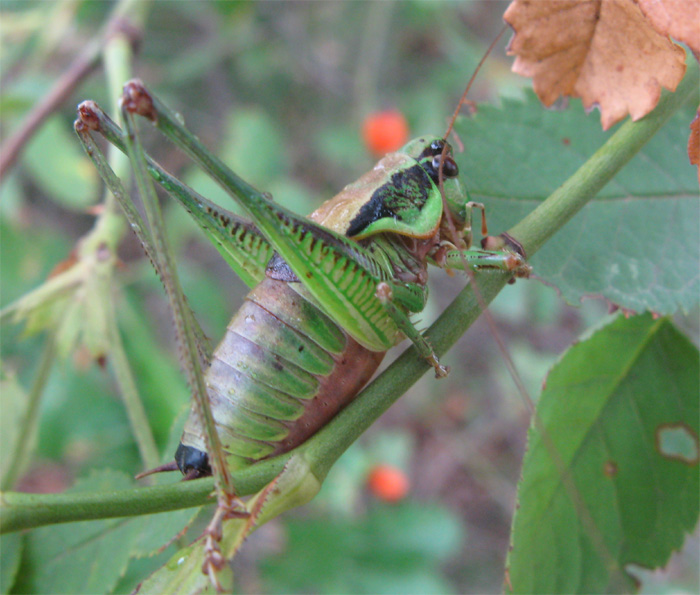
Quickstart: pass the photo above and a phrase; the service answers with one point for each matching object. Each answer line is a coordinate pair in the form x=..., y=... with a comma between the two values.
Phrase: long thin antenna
x=587, y=520
x=453, y=232
x=463, y=98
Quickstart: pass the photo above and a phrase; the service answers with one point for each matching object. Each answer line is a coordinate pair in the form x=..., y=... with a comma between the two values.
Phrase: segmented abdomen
x=281, y=372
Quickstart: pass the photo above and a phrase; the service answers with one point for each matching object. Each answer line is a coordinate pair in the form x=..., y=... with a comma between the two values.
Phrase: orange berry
x=388, y=483
x=384, y=132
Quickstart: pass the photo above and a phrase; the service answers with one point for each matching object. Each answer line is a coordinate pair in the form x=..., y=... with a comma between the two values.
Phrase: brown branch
x=83, y=65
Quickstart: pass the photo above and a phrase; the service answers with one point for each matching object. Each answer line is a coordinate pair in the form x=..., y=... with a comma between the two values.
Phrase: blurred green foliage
x=279, y=90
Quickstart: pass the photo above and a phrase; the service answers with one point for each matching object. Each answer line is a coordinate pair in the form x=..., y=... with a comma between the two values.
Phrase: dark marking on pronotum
x=407, y=190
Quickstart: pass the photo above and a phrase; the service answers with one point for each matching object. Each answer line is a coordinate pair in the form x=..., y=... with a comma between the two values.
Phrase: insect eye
x=437, y=146
x=449, y=166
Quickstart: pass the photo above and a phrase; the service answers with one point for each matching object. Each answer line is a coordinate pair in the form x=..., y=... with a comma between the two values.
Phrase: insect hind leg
x=385, y=294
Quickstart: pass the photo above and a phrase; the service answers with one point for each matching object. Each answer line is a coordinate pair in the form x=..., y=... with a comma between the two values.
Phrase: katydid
x=331, y=292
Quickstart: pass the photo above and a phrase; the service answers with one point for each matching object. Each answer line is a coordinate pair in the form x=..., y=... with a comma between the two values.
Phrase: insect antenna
x=463, y=98
x=450, y=126
x=450, y=223
x=587, y=521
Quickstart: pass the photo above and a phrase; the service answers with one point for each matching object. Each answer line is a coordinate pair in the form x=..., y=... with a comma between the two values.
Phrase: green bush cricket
x=332, y=292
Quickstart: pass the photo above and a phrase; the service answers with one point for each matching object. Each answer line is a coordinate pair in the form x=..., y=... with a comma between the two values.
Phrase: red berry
x=384, y=132
x=388, y=483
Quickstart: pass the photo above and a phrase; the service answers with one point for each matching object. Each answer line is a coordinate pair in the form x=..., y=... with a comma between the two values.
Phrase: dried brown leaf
x=694, y=142
x=678, y=18
x=603, y=51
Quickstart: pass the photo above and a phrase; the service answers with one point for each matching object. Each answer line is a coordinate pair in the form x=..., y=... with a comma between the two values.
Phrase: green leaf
x=86, y=557
x=27, y=256
x=59, y=166
x=182, y=574
x=393, y=549
x=13, y=404
x=157, y=530
x=621, y=413
x=637, y=244
x=11, y=546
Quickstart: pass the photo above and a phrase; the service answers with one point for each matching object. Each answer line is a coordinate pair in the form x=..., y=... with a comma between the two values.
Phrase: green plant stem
x=25, y=511
x=30, y=422
x=117, y=58
x=540, y=225
x=532, y=232
x=136, y=412
x=22, y=511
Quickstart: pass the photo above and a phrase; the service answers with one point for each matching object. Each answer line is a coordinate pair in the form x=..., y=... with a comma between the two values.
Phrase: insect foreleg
x=467, y=234
x=385, y=294
x=481, y=260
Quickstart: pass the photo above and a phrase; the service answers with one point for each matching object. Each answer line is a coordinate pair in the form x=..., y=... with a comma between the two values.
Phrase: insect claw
x=216, y=533
x=441, y=371
x=236, y=513
x=214, y=560
x=504, y=241
x=213, y=563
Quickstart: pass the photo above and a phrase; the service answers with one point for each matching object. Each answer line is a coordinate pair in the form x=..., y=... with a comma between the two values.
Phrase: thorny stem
x=22, y=511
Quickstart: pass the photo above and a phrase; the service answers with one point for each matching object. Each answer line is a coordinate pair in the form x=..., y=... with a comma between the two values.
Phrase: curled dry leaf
x=678, y=18
x=604, y=51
